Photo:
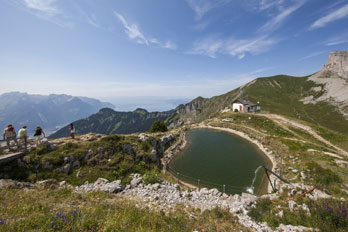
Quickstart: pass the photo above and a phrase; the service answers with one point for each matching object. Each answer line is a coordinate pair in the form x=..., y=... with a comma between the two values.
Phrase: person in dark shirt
x=37, y=135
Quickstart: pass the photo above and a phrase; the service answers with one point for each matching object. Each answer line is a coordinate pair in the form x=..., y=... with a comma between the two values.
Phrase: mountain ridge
x=109, y=121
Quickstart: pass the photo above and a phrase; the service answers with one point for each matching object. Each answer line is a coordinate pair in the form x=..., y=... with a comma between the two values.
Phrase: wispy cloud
x=284, y=13
x=267, y=4
x=337, y=14
x=212, y=46
x=336, y=40
x=93, y=21
x=133, y=32
x=312, y=55
x=201, y=7
x=47, y=10
x=46, y=6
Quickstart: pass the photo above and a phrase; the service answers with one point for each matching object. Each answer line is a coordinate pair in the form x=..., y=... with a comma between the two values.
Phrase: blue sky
x=164, y=49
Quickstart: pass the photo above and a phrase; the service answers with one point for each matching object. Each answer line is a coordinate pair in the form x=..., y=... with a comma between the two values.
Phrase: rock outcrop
x=337, y=62
x=332, y=82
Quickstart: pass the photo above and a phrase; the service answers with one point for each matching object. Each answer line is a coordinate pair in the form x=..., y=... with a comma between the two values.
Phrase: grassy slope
x=63, y=210
x=284, y=100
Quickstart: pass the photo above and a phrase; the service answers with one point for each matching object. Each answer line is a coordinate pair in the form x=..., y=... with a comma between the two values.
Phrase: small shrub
x=235, y=110
x=158, y=126
x=152, y=177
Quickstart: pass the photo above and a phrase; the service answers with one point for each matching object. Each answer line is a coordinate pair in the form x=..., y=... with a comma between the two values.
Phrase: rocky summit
x=332, y=83
x=337, y=62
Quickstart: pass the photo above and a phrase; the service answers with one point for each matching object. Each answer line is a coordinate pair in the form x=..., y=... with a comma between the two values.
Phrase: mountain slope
x=108, y=121
x=283, y=94
x=47, y=111
x=321, y=99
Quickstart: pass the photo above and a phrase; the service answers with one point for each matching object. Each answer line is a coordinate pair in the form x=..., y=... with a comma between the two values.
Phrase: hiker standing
x=38, y=133
x=72, y=131
x=10, y=134
x=23, y=135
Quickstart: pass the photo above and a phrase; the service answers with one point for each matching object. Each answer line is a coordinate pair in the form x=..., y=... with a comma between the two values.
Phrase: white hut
x=243, y=106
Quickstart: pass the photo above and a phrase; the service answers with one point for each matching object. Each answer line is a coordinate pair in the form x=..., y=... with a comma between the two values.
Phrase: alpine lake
x=222, y=160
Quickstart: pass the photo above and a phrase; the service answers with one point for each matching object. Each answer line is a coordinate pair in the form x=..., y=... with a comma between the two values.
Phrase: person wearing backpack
x=10, y=134
x=38, y=133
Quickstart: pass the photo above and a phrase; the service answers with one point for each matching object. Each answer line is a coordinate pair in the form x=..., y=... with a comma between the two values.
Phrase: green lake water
x=219, y=158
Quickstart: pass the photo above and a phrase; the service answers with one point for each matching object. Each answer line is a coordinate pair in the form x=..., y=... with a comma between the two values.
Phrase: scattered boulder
x=76, y=164
x=136, y=179
x=50, y=184
x=67, y=168
x=101, y=185
x=143, y=137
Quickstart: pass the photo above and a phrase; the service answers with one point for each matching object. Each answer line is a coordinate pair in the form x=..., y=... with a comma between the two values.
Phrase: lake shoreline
x=267, y=155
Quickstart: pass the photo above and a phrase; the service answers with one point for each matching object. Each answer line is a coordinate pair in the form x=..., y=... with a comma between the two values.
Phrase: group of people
x=10, y=135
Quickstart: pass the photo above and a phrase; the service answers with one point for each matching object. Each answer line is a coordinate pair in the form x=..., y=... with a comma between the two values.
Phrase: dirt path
x=281, y=120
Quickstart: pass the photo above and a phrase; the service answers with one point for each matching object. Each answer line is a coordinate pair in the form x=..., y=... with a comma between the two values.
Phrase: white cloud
x=201, y=7
x=276, y=21
x=312, y=55
x=46, y=6
x=267, y=4
x=133, y=32
x=47, y=10
x=253, y=46
x=93, y=21
x=211, y=46
x=336, y=40
x=332, y=16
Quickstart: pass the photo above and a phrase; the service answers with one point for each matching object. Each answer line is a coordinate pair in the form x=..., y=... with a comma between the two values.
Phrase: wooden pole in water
x=199, y=188
x=224, y=188
x=177, y=174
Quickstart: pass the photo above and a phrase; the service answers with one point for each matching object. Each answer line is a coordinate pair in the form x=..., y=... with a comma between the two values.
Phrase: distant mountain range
x=50, y=112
